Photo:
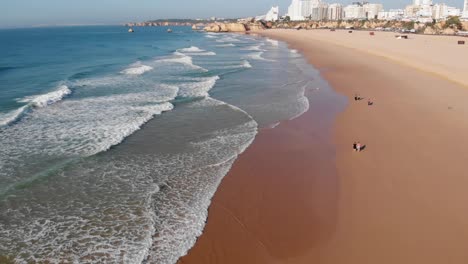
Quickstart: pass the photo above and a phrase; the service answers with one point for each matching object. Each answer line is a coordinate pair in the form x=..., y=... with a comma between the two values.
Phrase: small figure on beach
x=355, y=146
x=370, y=103
x=358, y=147
x=357, y=97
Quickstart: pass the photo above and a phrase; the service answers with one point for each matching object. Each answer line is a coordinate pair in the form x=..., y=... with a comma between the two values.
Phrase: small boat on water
x=169, y=30
x=130, y=30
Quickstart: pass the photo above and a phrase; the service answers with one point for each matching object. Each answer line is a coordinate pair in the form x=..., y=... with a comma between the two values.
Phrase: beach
x=300, y=194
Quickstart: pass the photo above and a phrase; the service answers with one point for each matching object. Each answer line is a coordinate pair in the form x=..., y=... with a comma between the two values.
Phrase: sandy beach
x=300, y=194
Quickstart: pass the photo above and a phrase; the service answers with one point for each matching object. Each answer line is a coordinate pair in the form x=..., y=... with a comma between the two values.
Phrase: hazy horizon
x=29, y=13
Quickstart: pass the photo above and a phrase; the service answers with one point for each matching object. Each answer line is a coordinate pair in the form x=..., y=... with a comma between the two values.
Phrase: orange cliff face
x=233, y=27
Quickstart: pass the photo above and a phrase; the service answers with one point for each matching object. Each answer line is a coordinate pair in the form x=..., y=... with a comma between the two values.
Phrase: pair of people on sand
x=357, y=97
x=357, y=146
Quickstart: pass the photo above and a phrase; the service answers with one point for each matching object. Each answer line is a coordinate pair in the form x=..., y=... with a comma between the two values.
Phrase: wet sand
x=300, y=194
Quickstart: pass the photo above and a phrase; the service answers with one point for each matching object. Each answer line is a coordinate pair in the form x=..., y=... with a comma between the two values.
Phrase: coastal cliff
x=233, y=27
x=449, y=27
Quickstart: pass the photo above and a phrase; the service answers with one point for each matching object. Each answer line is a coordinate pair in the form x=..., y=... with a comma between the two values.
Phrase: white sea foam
x=293, y=51
x=137, y=69
x=181, y=58
x=197, y=87
x=48, y=98
x=257, y=56
x=232, y=65
x=273, y=42
x=195, y=51
x=208, y=53
x=37, y=101
x=89, y=125
x=225, y=45
x=246, y=64
x=217, y=152
x=12, y=116
x=254, y=48
x=274, y=125
x=191, y=49
x=228, y=39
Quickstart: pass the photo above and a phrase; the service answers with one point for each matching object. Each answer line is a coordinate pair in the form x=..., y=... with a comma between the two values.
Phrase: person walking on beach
x=358, y=147
x=355, y=146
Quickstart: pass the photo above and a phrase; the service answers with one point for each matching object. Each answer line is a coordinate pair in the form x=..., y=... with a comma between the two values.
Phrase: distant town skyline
x=25, y=13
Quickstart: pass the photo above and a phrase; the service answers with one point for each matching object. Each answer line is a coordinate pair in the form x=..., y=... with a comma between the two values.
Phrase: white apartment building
x=372, y=10
x=354, y=11
x=335, y=12
x=295, y=10
x=319, y=12
x=273, y=14
x=439, y=11
x=453, y=11
x=422, y=2
x=465, y=10
x=307, y=9
x=362, y=10
x=392, y=14
x=443, y=11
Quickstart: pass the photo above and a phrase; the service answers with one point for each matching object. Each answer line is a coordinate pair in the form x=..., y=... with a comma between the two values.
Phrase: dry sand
x=288, y=199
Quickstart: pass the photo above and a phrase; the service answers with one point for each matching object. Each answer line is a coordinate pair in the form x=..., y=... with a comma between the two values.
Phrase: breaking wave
x=197, y=87
x=257, y=56
x=137, y=69
x=38, y=101
x=195, y=51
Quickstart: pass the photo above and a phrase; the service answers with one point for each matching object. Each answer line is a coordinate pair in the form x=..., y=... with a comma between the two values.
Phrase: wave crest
x=48, y=98
x=137, y=70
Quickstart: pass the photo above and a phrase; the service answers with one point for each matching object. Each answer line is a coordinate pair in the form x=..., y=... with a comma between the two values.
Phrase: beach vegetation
x=287, y=18
x=453, y=22
x=408, y=25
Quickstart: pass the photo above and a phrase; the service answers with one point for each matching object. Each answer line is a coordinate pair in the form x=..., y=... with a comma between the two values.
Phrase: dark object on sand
x=332, y=29
x=370, y=103
x=350, y=31
x=372, y=33
x=357, y=97
x=354, y=146
x=461, y=42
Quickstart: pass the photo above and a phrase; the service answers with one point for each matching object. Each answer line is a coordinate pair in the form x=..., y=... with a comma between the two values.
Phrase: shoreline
x=387, y=204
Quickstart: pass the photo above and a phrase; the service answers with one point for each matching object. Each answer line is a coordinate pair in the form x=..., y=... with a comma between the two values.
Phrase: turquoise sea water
x=113, y=144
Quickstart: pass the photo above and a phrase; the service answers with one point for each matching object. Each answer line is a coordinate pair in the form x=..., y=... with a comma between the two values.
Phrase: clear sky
x=19, y=13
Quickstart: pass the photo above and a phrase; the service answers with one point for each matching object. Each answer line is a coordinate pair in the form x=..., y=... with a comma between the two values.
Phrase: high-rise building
x=465, y=10
x=295, y=10
x=362, y=10
x=318, y=11
x=335, y=12
x=372, y=10
x=354, y=11
x=305, y=9
x=273, y=14
x=392, y=14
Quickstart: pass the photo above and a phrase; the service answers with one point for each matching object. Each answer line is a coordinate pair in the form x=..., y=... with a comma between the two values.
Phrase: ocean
x=112, y=144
